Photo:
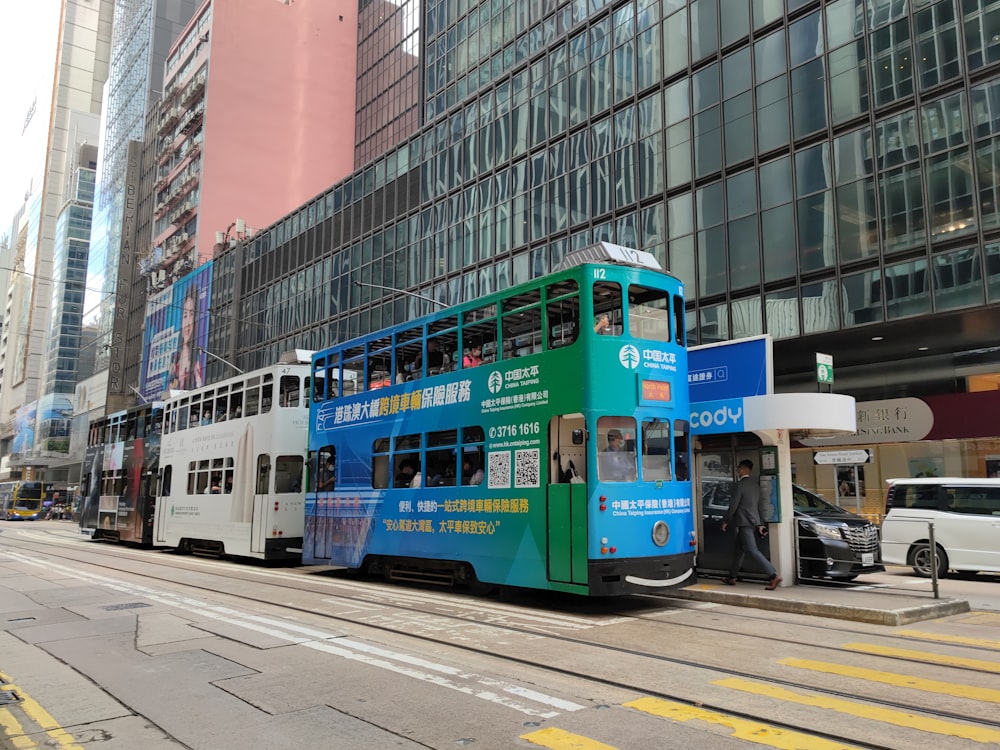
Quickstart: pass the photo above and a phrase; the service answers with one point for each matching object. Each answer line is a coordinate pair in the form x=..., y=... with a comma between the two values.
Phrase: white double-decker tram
x=232, y=463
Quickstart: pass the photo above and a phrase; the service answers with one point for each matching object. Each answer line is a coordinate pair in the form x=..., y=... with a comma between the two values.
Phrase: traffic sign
x=842, y=458
x=824, y=368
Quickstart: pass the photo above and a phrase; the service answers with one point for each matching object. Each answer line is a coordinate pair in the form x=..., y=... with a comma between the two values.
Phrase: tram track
x=259, y=577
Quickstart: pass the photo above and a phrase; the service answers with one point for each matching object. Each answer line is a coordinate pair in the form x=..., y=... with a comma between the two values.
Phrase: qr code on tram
x=499, y=477
x=526, y=468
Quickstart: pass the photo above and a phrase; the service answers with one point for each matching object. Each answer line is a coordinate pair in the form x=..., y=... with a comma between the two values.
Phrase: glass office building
x=822, y=171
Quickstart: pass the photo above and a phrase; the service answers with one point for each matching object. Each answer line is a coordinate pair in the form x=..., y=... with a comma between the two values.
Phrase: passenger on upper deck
x=471, y=473
x=602, y=324
x=475, y=356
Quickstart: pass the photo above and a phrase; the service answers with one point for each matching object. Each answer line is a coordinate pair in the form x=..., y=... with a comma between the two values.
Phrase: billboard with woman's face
x=176, y=336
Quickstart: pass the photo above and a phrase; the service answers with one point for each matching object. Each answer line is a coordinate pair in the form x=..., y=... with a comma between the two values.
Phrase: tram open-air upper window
x=562, y=312
x=409, y=345
x=616, y=449
x=442, y=345
x=521, y=324
x=648, y=313
x=607, y=308
x=354, y=360
x=480, y=326
x=655, y=444
x=380, y=363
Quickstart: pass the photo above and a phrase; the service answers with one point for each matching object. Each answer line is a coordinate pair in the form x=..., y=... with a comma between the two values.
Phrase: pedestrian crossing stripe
x=987, y=695
x=949, y=661
x=558, y=739
x=862, y=711
x=744, y=729
x=977, y=642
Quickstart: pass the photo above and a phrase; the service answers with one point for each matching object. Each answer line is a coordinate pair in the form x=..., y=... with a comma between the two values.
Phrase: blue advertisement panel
x=717, y=417
x=733, y=369
x=24, y=429
x=176, y=335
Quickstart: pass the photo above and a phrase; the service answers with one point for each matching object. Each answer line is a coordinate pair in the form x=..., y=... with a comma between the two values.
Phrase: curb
x=900, y=616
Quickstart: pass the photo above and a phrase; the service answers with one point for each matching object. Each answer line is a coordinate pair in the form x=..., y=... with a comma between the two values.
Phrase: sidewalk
x=879, y=606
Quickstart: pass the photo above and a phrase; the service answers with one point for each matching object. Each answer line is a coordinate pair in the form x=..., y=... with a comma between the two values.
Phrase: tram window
x=182, y=416
x=522, y=332
x=616, y=449
x=406, y=470
x=267, y=393
x=655, y=450
x=251, y=397
x=236, y=403
x=607, y=308
x=682, y=450
x=288, y=390
x=288, y=474
x=409, y=346
x=132, y=427
x=563, y=319
x=167, y=473
x=354, y=360
x=157, y=426
x=325, y=469
x=263, y=473
x=480, y=325
x=679, y=325
x=648, y=313
x=441, y=463
x=380, y=463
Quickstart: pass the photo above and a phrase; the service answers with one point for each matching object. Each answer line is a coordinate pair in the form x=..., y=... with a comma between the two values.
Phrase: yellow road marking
x=13, y=729
x=33, y=709
x=979, y=642
x=951, y=661
x=899, y=680
x=875, y=713
x=557, y=739
x=744, y=729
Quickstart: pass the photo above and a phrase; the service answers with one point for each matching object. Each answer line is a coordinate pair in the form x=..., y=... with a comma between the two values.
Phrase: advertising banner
x=176, y=335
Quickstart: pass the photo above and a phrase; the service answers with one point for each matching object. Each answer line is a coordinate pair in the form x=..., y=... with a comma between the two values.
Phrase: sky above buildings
x=28, y=38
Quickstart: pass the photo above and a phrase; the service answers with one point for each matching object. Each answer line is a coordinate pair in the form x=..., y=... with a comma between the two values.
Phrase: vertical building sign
x=126, y=285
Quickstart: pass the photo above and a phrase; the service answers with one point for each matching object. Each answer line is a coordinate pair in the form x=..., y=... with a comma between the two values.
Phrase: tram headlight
x=661, y=533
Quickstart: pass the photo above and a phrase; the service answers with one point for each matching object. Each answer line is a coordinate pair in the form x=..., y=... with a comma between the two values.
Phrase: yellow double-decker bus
x=21, y=501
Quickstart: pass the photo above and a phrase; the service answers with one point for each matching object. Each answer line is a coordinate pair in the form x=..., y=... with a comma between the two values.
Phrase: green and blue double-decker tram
x=536, y=437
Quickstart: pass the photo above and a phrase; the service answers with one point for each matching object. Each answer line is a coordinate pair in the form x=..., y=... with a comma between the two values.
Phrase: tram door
x=567, y=500
x=258, y=519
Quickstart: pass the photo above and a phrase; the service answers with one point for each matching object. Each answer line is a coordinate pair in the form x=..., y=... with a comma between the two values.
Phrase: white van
x=966, y=518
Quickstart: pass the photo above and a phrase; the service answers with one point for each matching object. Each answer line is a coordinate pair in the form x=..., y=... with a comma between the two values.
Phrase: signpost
x=842, y=458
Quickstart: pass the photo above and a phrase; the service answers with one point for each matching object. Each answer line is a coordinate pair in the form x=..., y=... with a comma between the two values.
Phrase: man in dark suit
x=747, y=510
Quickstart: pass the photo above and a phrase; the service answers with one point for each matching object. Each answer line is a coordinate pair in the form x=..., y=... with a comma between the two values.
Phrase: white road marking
x=331, y=643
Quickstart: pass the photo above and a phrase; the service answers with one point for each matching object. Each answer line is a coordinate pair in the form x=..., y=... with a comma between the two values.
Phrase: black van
x=833, y=543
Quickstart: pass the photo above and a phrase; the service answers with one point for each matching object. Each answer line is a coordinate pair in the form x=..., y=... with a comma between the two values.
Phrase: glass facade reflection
x=805, y=167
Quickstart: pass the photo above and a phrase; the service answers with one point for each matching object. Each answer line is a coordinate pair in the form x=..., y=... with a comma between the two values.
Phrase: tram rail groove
x=227, y=573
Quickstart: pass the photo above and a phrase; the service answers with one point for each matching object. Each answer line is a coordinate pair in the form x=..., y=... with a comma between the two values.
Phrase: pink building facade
x=257, y=116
